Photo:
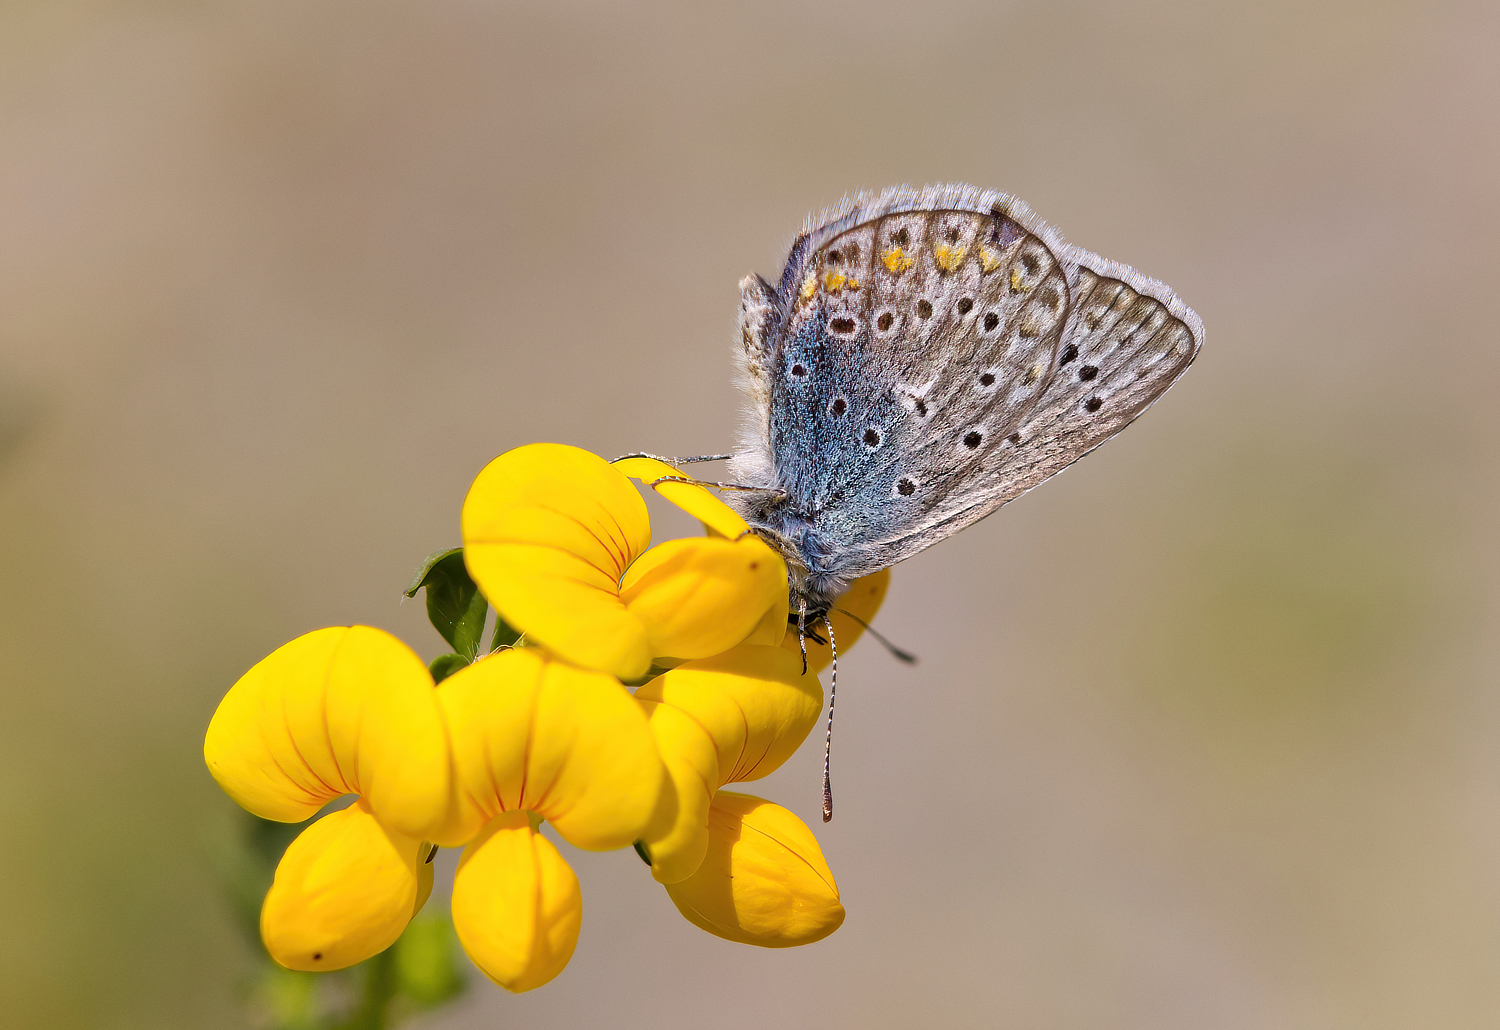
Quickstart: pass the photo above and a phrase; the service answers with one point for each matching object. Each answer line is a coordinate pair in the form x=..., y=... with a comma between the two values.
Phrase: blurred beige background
x=1206, y=732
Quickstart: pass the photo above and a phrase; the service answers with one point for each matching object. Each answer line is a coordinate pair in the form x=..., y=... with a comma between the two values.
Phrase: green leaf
x=427, y=966
x=445, y=665
x=455, y=606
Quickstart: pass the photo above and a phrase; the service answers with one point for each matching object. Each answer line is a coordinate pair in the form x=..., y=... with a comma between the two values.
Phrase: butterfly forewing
x=910, y=336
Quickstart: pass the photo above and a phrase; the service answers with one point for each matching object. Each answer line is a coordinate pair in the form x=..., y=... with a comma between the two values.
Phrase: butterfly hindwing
x=1128, y=339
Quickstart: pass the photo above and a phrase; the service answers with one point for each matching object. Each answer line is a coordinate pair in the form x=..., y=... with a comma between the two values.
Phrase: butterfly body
x=926, y=357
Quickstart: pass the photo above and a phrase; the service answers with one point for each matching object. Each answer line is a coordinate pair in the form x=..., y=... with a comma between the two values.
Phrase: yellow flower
x=533, y=738
x=557, y=540
x=516, y=738
x=737, y=716
x=344, y=710
x=763, y=881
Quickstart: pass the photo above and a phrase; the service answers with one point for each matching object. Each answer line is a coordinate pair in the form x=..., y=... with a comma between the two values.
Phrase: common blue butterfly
x=927, y=356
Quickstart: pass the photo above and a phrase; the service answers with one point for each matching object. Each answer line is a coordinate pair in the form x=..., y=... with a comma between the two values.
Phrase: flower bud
x=763, y=881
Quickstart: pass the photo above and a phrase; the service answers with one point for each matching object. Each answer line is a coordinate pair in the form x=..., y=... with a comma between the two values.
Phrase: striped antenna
x=833, y=689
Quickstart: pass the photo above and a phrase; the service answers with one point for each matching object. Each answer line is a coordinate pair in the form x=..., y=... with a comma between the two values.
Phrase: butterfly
x=926, y=356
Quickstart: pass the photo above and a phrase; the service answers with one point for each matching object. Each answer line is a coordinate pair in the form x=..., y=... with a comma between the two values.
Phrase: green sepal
x=643, y=851
x=445, y=665
x=455, y=606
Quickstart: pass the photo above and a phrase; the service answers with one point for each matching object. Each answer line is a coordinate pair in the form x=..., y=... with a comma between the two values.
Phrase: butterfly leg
x=775, y=492
x=676, y=461
x=802, y=630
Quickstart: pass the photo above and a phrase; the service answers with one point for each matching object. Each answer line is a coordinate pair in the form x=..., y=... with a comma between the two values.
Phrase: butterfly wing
x=857, y=357
x=928, y=356
x=1127, y=340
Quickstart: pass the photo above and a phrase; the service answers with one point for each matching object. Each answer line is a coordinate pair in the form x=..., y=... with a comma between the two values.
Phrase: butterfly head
x=800, y=547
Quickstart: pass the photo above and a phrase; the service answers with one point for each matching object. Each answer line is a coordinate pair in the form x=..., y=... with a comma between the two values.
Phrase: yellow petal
x=531, y=732
x=763, y=881
x=863, y=599
x=702, y=596
x=344, y=890
x=753, y=702
x=736, y=716
x=772, y=627
x=548, y=530
x=516, y=904
x=678, y=837
x=697, y=501
x=344, y=710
